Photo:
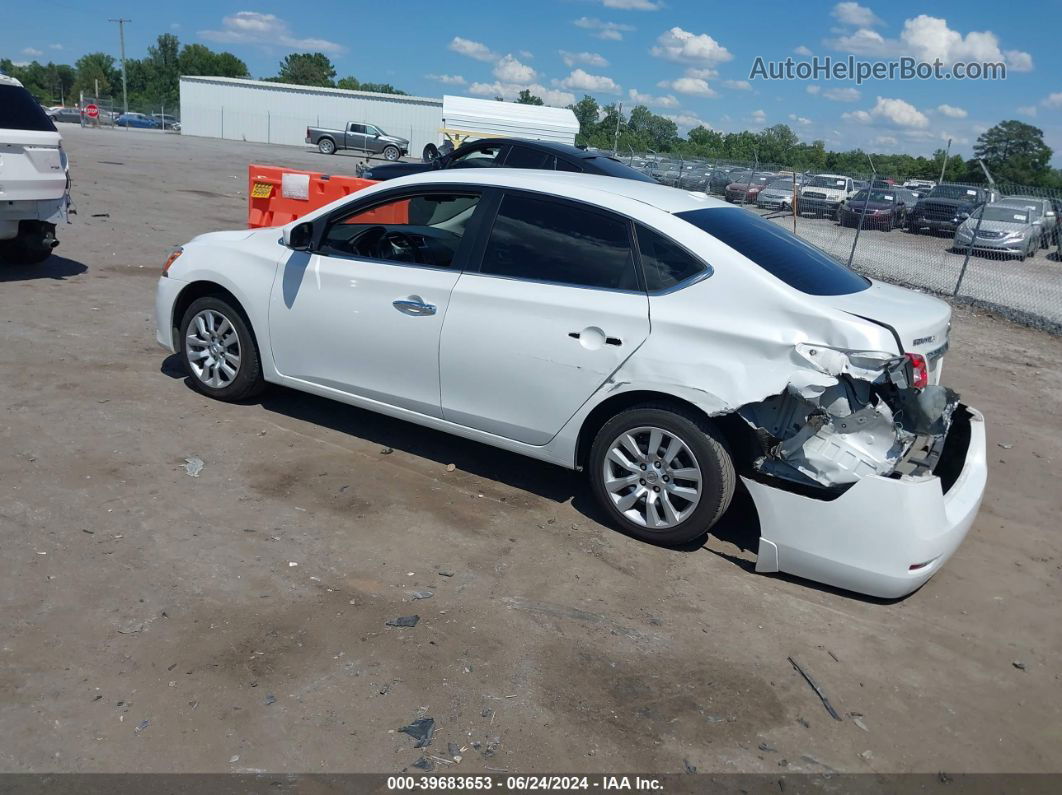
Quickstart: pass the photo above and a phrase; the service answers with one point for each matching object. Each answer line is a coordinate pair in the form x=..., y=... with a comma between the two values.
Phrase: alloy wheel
x=213, y=349
x=652, y=477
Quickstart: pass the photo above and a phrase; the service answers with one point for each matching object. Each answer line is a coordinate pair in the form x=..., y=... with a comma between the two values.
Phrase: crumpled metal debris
x=193, y=465
x=421, y=730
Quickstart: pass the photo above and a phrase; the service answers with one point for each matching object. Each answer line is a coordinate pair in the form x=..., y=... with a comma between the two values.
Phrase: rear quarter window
x=778, y=251
x=20, y=111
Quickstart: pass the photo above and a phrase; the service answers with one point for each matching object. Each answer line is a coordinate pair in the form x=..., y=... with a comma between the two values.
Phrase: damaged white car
x=668, y=344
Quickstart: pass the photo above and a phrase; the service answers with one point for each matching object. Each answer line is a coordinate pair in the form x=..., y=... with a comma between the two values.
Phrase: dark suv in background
x=946, y=207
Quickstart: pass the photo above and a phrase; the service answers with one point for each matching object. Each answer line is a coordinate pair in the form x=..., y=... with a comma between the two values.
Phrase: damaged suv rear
x=865, y=471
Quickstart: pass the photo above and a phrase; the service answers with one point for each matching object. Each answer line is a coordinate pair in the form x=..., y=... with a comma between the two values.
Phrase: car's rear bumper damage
x=866, y=483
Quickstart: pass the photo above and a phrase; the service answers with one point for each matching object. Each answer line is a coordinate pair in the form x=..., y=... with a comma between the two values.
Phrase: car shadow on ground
x=52, y=268
x=738, y=527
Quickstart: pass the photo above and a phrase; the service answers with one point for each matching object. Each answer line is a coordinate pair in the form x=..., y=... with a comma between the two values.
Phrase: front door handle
x=413, y=306
x=593, y=338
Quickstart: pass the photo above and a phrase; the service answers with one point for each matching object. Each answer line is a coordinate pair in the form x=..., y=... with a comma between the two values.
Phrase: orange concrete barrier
x=277, y=196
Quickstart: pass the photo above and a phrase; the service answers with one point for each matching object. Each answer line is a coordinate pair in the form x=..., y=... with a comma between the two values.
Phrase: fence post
x=969, y=249
x=862, y=218
x=794, y=208
x=269, y=127
x=222, y=122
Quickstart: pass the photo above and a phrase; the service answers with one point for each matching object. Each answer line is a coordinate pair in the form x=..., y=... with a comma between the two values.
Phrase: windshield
x=781, y=184
x=826, y=182
x=777, y=251
x=1034, y=210
x=955, y=192
x=881, y=196
x=20, y=111
x=1007, y=215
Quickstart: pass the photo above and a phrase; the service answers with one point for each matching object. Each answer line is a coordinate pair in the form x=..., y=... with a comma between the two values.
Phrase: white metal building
x=279, y=113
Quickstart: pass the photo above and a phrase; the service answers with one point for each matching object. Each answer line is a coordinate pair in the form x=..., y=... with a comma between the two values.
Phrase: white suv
x=34, y=177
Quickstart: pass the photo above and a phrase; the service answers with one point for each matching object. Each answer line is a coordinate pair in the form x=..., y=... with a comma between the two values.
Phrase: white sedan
x=666, y=343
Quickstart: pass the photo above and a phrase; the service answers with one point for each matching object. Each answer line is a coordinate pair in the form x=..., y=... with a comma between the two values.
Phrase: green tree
x=585, y=110
x=527, y=98
x=1014, y=152
x=307, y=69
x=96, y=66
x=776, y=144
x=352, y=83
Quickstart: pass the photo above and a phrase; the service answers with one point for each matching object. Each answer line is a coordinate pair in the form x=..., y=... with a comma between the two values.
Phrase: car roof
x=581, y=187
x=8, y=80
x=554, y=147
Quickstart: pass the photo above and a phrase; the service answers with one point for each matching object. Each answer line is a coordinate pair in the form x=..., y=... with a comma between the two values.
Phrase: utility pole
x=944, y=165
x=121, y=38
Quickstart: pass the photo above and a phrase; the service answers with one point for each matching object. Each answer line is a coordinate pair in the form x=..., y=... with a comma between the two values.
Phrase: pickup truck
x=357, y=135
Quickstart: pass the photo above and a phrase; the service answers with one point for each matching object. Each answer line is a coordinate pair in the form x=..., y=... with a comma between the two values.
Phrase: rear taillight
x=920, y=370
x=171, y=259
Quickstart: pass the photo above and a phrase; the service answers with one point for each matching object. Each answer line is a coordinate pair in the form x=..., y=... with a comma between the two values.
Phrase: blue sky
x=688, y=59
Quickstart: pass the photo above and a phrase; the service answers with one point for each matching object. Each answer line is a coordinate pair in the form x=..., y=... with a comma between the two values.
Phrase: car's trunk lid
x=920, y=321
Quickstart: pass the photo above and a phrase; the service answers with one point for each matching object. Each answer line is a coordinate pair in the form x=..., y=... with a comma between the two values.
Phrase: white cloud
x=510, y=70
x=929, y=38
x=527, y=55
x=638, y=98
x=510, y=91
x=703, y=74
x=855, y=15
x=55, y=46
x=589, y=58
x=842, y=94
x=633, y=5
x=894, y=111
x=581, y=80
x=681, y=45
x=885, y=140
x=31, y=52
x=687, y=121
x=251, y=27
x=813, y=89
x=952, y=111
x=799, y=119
x=738, y=85
x=1018, y=61
x=689, y=85
x=473, y=49
x=1053, y=101
x=802, y=50
x=1028, y=110
x=759, y=116
x=448, y=80
x=612, y=31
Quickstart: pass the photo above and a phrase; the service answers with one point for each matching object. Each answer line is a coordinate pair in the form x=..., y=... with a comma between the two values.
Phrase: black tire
x=718, y=477
x=430, y=153
x=392, y=153
x=33, y=245
x=326, y=146
x=248, y=380
x=913, y=228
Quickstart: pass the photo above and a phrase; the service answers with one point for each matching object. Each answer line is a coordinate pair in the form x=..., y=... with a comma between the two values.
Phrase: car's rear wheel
x=391, y=153
x=661, y=473
x=33, y=245
x=326, y=146
x=218, y=350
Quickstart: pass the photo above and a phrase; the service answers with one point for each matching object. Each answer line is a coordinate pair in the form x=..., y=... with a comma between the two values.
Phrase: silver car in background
x=1005, y=228
x=778, y=195
x=1042, y=211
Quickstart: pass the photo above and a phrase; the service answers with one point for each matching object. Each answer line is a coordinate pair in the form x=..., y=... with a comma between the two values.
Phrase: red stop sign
x=92, y=111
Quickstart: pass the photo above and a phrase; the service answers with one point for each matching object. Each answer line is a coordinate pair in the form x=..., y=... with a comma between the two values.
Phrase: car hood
x=970, y=224
x=394, y=139
x=228, y=236
x=858, y=205
x=949, y=202
x=921, y=321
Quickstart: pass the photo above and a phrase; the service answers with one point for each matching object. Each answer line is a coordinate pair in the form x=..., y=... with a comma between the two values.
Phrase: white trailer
x=465, y=119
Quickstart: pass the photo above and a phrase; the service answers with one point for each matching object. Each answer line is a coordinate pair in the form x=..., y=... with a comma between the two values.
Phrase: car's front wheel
x=391, y=153
x=219, y=351
x=662, y=473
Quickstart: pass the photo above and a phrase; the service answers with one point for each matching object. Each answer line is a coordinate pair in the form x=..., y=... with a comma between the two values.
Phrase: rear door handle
x=414, y=307
x=594, y=338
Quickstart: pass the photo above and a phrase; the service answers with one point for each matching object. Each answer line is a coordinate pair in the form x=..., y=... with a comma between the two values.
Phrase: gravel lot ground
x=153, y=621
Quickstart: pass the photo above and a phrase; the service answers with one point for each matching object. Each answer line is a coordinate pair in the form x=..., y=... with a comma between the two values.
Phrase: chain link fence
x=1005, y=257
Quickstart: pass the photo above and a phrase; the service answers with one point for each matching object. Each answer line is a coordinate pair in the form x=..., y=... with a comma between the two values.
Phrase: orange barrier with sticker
x=277, y=196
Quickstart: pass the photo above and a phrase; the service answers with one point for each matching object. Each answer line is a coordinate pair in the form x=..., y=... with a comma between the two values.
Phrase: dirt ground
x=152, y=621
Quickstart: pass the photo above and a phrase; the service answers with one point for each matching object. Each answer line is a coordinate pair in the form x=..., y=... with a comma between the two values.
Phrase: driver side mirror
x=299, y=237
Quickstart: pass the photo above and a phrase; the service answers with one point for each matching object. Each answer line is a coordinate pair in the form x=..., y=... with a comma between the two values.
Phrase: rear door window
x=522, y=157
x=567, y=165
x=664, y=262
x=20, y=111
x=558, y=241
x=778, y=251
